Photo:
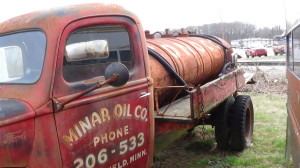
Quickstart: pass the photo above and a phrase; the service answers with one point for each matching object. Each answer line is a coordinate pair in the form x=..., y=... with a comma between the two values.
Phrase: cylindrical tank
x=196, y=60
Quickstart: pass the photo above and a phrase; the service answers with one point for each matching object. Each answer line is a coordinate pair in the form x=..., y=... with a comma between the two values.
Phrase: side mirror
x=116, y=74
x=117, y=69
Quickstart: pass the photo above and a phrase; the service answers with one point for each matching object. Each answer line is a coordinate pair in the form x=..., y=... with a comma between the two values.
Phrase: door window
x=114, y=39
x=296, y=51
x=290, y=56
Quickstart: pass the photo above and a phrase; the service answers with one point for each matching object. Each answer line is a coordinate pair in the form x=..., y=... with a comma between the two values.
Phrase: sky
x=157, y=15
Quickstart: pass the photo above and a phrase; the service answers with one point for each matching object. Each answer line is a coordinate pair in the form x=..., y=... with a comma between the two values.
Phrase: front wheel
x=242, y=120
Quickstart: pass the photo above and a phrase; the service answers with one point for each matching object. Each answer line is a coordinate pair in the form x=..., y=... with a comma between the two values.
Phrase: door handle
x=144, y=94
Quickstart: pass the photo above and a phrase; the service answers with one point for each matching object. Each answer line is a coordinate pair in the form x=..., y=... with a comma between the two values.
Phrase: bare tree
x=235, y=30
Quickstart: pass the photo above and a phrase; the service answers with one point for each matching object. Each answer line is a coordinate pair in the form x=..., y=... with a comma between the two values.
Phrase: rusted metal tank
x=197, y=60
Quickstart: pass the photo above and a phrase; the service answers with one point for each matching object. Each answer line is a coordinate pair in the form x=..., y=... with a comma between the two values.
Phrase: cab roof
x=49, y=19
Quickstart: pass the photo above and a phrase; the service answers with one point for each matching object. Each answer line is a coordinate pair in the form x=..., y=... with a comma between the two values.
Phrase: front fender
x=16, y=132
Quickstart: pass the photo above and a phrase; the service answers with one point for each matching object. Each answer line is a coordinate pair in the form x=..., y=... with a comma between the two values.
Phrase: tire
x=247, y=55
x=222, y=129
x=265, y=54
x=242, y=120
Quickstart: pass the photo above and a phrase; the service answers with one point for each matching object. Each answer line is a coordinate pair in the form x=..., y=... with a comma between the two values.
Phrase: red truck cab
x=43, y=121
x=279, y=47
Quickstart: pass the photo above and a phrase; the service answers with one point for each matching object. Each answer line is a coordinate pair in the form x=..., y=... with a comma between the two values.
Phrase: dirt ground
x=268, y=79
x=188, y=148
x=179, y=155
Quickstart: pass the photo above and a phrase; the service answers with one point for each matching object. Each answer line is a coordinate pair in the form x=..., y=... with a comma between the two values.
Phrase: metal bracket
x=57, y=105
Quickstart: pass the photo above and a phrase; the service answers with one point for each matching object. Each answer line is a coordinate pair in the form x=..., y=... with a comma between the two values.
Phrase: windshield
x=283, y=42
x=21, y=57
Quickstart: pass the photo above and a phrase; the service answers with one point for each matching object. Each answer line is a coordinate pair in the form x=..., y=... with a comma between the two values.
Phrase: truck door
x=108, y=127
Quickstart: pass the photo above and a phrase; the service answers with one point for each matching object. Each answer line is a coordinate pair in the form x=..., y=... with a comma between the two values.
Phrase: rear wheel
x=222, y=124
x=242, y=119
x=281, y=52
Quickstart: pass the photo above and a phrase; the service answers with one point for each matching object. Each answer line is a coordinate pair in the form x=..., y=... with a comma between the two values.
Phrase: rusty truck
x=85, y=86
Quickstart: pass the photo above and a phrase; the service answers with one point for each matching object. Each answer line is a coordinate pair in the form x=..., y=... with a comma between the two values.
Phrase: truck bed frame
x=200, y=102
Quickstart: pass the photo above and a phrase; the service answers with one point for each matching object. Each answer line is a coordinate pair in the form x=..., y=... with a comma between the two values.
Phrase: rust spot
x=63, y=12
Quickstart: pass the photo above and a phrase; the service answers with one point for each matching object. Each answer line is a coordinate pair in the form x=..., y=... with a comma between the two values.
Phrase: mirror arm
x=60, y=105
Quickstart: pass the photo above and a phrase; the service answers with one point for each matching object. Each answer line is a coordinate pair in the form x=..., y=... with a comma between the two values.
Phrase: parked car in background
x=255, y=52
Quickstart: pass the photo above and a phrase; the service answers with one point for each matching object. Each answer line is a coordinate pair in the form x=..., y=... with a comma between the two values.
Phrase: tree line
x=235, y=30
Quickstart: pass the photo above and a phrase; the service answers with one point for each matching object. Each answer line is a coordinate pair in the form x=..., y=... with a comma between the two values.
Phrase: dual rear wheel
x=234, y=123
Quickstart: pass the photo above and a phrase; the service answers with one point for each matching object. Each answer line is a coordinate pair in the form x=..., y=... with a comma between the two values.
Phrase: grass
x=268, y=142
